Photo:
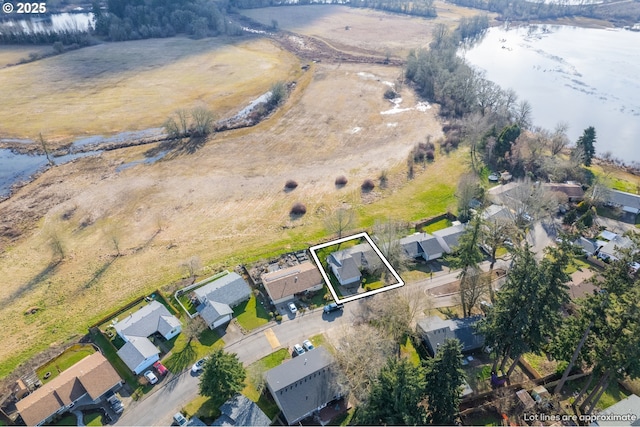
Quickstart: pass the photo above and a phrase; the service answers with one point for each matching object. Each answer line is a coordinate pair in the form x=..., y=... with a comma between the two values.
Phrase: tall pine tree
x=445, y=378
x=586, y=143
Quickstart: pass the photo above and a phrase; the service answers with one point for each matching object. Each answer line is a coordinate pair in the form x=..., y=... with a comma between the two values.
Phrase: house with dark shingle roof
x=240, y=411
x=88, y=380
x=139, y=353
x=282, y=285
x=449, y=237
x=628, y=202
x=422, y=245
x=347, y=264
x=434, y=331
x=218, y=297
x=302, y=386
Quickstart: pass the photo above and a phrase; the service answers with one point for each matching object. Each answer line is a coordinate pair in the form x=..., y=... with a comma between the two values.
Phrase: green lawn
x=439, y=225
x=109, y=352
x=183, y=353
x=67, y=420
x=205, y=408
x=264, y=401
x=250, y=314
x=93, y=419
x=68, y=358
x=612, y=395
x=409, y=351
x=319, y=340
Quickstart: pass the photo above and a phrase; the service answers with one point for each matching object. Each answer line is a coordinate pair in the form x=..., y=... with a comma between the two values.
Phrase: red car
x=162, y=370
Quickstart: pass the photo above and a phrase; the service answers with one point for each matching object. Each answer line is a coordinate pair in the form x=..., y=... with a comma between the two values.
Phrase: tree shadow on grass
x=208, y=337
x=99, y=273
x=48, y=271
x=181, y=360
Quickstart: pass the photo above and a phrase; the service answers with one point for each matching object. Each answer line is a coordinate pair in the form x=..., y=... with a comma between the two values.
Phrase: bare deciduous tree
x=360, y=354
x=340, y=220
x=387, y=238
x=192, y=266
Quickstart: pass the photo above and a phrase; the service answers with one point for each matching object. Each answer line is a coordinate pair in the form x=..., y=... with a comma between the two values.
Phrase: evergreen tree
x=223, y=376
x=395, y=396
x=586, y=143
x=445, y=378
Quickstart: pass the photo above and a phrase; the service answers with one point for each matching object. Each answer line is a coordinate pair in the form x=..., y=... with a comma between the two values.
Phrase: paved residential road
x=172, y=394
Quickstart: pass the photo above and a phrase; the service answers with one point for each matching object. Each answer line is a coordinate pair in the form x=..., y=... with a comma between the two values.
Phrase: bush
x=390, y=94
x=430, y=155
x=290, y=184
x=298, y=209
x=367, y=185
x=279, y=318
x=341, y=181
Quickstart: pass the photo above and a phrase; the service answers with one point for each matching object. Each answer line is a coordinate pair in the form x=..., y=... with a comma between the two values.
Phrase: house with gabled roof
x=85, y=382
x=240, y=411
x=449, y=237
x=434, y=331
x=218, y=297
x=628, y=202
x=284, y=284
x=611, y=250
x=347, y=264
x=304, y=385
x=138, y=352
x=422, y=245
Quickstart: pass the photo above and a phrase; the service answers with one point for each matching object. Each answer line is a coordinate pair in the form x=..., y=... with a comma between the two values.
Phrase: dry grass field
x=369, y=30
x=14, y=54
x=224, y=203
x=109, y=88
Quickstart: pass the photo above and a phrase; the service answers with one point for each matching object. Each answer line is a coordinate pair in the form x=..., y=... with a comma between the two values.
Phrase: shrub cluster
x=298, y=209
x=367, y=185
x=341, y=181
x=290, y=184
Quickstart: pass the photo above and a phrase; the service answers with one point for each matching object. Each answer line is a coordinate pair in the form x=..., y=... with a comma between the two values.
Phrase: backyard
x=68, y=358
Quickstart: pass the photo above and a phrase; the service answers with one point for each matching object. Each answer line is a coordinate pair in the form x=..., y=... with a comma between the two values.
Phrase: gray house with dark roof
x=219, y=296
x=628, y=202
x=348, y=263
x=434, y=331
x=304, y=385
x=422, y=245
x=139, y=353
x=240, y=411
x=449, y=237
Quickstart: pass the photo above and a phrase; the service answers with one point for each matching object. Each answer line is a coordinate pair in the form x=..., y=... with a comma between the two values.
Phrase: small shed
x=525, y=399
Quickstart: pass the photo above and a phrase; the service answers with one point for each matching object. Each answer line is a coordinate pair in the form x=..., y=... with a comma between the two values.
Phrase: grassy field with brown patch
x=109, y=88
x=127, y=233
x=225, y=203
x=368, y=30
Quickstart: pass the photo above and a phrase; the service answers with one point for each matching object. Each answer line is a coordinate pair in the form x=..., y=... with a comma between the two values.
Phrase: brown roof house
x=283, y=285
x=82, y=384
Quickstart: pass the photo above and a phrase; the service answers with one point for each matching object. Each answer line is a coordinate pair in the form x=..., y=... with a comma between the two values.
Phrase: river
x=55, y=22
x=582, y=76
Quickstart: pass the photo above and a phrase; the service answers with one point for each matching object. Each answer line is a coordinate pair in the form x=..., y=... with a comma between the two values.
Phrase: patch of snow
x=392, y=125
x=355, y=130
x=390, y=84
x=367, y=76
x=246, y=110
x=423, y=106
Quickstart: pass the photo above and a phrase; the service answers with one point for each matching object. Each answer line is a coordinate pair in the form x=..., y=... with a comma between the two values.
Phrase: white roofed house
x=138, y=352
x=218, y=298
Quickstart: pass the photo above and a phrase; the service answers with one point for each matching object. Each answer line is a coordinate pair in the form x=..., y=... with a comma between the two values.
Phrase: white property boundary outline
x=393, y=271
